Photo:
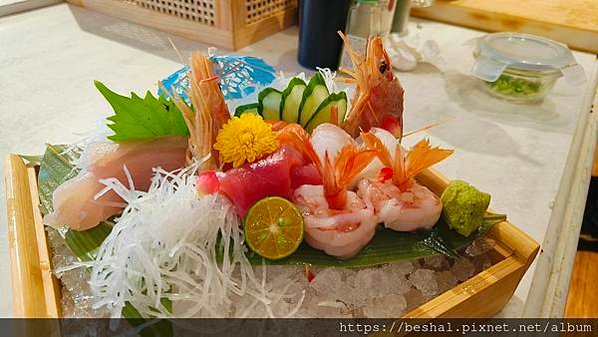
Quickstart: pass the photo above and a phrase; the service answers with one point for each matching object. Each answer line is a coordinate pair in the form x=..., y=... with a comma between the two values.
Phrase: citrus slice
x=273, y=228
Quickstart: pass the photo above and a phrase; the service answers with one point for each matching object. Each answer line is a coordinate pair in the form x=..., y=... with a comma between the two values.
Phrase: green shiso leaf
x=145, y=118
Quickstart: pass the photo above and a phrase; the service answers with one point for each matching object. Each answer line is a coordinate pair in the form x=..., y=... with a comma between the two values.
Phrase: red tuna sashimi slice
x=74, y=201
x=305, y=175
x=275, y=175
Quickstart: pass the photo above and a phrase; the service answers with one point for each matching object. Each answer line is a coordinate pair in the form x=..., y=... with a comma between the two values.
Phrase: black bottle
x=319, y=21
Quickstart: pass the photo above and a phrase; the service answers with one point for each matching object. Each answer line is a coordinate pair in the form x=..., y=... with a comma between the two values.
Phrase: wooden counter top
x=574, y=22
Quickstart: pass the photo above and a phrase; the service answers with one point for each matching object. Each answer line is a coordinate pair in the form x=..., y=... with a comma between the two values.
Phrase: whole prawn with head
x=210, y=112
x=337, y=221
x=378, y=98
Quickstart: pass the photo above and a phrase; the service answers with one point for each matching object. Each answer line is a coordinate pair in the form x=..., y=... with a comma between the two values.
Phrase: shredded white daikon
x=328, y=76
x=164, y=246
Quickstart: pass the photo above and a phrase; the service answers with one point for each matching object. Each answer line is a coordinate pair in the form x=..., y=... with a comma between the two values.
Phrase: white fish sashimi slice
x=75, y=202
x=329, y=138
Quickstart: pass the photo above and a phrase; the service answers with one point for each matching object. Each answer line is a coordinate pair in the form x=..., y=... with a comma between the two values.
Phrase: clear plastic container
x=369, y=17
x=521, y=67
x=366, y=18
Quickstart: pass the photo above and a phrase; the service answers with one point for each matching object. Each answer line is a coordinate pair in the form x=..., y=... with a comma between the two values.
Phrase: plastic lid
x=524, y=51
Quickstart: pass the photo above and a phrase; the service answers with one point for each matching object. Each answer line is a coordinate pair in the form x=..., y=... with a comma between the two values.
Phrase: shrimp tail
x=374, y=143
x=336, y=177
x=404, y=167
x=397, y=166
x=421, y=156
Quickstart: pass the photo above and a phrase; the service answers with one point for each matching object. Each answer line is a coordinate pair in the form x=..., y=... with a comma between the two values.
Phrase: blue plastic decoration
x=177, y=82
x=242, y=75
x=238, y=76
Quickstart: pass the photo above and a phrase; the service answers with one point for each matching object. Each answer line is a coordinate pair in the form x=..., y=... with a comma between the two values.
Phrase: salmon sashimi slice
x=79, y=202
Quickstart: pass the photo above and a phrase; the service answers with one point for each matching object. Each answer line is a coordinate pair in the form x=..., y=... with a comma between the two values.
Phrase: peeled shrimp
x=341, y=233
x=337, y=221
x=399, y=201
x=416, y=207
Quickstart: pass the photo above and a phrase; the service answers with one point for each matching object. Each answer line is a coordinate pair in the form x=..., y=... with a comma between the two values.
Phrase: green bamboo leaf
x=32, y=160
x=387, y=246
x=158, y=328
x=85, y=244
x=56, y=167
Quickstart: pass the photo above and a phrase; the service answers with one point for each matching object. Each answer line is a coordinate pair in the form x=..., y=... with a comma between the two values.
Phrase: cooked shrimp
x=210, y=112
x=414, y=208
x=400, y=202
x=337, y=221
x=378, y=98
x=341, y=233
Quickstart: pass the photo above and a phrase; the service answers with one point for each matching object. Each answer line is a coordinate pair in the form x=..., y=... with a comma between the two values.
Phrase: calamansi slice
x=273, y=228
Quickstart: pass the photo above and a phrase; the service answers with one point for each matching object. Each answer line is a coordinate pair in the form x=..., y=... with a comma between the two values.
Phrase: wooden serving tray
x=36, y=292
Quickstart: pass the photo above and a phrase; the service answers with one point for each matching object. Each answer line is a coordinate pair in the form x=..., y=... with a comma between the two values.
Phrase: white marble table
x=520, y=154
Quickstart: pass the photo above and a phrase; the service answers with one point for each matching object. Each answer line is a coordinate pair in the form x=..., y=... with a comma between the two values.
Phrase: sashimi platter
x=238, y=191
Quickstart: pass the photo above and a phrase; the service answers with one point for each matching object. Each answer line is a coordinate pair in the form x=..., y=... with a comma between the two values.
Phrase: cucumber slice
x=269, y=104
x=324, y=112
x=247, y=108
x=315, y=93
x=291, y=99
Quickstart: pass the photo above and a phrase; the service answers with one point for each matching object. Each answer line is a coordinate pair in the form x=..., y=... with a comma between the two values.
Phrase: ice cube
x=395, y=279
x=480, y=246
x=403, y=267
x=436, y=262
x=482, y=263
x=424, y=280
x=445, y=280
x=414, y=299
x=348, y=276
x=463, y=269
x=390, y=306
x=367, y=284
x=331, y=309
x=326, y=281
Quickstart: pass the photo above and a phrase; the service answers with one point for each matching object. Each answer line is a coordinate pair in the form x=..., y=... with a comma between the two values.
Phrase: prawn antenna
x=429, y=126
x=176, y=50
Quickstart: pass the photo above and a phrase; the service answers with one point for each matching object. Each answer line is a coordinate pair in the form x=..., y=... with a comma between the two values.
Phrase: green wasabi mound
x=463, y=207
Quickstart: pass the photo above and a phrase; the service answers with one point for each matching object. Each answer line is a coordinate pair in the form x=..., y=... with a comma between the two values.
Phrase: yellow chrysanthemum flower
x=246, y=138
